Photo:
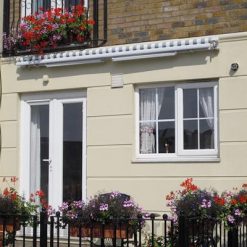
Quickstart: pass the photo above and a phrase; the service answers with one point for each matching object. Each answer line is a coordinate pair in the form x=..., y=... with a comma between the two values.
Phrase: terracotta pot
x=121, y=232
x=11, y=225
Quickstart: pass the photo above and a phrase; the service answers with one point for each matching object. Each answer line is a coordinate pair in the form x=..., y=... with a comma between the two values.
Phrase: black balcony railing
x=152, y=231
x=16, y=10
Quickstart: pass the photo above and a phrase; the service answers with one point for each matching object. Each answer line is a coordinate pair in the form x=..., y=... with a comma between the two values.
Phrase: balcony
x=45, y=26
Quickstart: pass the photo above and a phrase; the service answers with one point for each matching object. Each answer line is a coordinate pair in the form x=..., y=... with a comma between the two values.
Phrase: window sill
x=177, y=160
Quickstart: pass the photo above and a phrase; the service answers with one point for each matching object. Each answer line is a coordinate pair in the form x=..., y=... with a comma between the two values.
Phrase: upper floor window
x=30, y=7
x=177, y=122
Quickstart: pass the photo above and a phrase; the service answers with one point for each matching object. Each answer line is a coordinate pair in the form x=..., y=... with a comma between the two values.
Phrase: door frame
x=27, y=100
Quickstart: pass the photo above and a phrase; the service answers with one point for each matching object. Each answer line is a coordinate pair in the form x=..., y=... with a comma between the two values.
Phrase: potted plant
x=102, y=212
x=199, y=207
x=234, y=207
x=53, y=28
x=15, y=208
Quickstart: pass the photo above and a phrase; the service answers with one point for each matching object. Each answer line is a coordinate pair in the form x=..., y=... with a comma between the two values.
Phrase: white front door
x=53, y=146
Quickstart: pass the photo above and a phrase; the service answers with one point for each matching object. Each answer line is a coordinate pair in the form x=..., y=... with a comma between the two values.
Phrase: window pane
x=147, y=138
x=190, y=103
x=147, y=104
x=190, y=134
x=167, y=137
x=72, y=151
x=39, y=167
x=206, y=134
x=37, y=6
x=166, y=103
x=206, y=102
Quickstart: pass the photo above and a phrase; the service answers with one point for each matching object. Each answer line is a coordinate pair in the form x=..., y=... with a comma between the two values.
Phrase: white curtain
x=207, y=104
x=148, y=112
x=35, y=149
x=206, y=100
x=161, y=94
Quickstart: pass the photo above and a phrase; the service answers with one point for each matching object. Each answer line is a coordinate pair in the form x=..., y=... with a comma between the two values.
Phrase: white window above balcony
x=30, y=7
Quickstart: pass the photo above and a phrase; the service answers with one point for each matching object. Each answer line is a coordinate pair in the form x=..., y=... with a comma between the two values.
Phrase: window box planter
x=103, y=212
x=51, y=30
x=10, y=224
x=122, y=232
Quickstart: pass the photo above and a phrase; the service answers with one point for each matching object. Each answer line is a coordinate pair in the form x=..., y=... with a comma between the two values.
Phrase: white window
x=177, y=122
x=30, y=7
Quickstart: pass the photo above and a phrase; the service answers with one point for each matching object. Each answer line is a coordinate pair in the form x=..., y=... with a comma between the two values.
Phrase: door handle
x=48, y=161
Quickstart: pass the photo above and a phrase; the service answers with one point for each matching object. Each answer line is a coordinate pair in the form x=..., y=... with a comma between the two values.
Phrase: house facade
x=163, y=98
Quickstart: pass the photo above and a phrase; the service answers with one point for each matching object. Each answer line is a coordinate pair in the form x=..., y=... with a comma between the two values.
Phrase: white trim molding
x=120, y=53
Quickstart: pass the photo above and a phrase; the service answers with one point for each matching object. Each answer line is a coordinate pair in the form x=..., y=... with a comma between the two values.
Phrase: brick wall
x=132, y=21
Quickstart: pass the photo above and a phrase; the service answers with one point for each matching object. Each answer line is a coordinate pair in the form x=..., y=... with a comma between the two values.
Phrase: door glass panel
x=39, y=165
x=40, y=5
x=72, y=151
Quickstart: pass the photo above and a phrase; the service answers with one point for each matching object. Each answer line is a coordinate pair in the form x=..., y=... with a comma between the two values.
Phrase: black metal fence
x=152, y=231
x=16, y=10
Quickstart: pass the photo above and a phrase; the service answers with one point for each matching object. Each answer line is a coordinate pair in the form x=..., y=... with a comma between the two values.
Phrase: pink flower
x=206, y=204
x=103, y=207
x=128, y=203
x=237, y=212
x=230, y=219
x=115, y=194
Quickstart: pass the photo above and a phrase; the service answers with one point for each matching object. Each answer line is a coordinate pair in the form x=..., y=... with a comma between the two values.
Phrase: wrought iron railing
x=16, y=10
x=43, y=230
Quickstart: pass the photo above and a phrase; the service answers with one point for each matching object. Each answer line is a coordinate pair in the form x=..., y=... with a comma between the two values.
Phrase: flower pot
x=121, y=232
x=11, y=225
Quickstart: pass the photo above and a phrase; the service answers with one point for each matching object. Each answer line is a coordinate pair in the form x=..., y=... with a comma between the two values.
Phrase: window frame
x=180, y=153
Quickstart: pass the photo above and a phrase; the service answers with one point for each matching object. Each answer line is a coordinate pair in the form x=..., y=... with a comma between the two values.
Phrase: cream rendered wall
x=111, y=163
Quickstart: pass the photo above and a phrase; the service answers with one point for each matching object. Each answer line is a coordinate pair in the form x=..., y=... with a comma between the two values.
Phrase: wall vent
x=117, y=80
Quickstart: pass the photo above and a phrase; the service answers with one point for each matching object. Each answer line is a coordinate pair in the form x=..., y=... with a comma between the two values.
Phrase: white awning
x=119, y=53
